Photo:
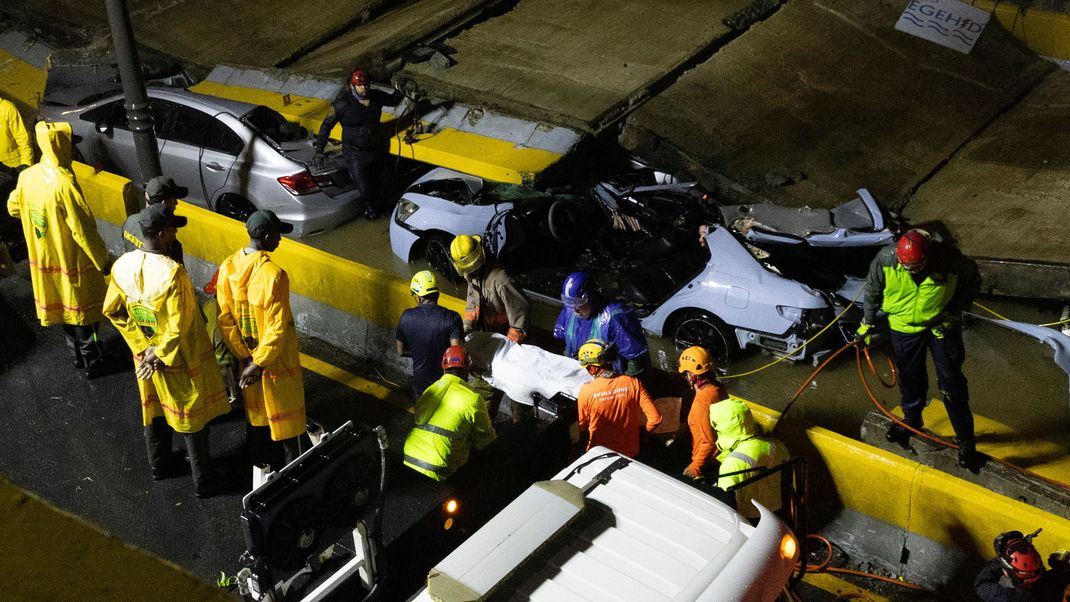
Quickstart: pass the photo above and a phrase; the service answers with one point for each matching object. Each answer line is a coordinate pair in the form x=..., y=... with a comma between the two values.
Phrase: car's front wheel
x=437, y=252
x=234, y=207
x=701, y=328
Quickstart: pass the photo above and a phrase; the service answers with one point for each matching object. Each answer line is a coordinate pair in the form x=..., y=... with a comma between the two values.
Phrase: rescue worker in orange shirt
x=611, y=407
x=698, y=368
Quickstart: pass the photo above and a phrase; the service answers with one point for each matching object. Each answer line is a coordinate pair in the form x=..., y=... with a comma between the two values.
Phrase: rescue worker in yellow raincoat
x=450, y=418
x=152, y=304
x=258, y=327
x=68, y=259
x=15, y=147
x=745, y=454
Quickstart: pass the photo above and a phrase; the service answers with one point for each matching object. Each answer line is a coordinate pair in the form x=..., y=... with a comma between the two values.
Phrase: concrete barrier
x=345, y=303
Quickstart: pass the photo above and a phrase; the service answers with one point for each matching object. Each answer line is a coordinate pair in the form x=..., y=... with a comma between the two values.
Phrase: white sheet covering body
x=520, y=370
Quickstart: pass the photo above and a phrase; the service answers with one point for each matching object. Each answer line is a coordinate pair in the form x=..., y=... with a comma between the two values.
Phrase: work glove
x=319, y=161
x=863, y=334
x=1060, y=560
x=691, y=473
x=516, y=335
x=940, y=330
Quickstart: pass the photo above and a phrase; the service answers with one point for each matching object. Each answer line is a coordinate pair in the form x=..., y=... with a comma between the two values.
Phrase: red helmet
x=455, y=357
x=913, y=249
x=1019, y=558
x=359, y=78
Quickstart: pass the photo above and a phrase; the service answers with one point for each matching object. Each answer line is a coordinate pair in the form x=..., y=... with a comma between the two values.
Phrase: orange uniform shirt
x=611, y=411
x=703, y=439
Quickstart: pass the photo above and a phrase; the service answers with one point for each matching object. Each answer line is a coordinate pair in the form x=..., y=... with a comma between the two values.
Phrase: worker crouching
x=450, y=419
x=746, y=454
x=612, y=406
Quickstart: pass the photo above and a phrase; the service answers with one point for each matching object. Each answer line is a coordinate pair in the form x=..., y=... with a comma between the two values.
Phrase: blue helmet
x=576, y=289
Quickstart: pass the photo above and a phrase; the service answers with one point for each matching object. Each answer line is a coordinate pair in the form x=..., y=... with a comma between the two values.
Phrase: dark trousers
x=84, y=342
x=361, y=168
x=948, y=355
x=158, y=438
x=263, y=450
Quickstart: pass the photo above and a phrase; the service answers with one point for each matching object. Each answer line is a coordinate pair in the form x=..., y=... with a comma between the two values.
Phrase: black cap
x=264, y=222
x=163, y=187
x=155, y=218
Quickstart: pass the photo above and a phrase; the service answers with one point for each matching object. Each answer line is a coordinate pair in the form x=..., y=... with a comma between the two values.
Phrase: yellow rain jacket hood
x=67, y=255
x=152, y=304
x=256, y=321
x=742, y=451
x=15, y=147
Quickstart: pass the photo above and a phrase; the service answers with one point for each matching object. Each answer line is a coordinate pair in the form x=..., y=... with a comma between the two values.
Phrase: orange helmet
x=1019, y=558
x=359, y=78
x=455, y=357
x=912, y=250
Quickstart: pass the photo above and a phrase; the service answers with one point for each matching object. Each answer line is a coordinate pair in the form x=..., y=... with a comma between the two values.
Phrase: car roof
x=204, y=102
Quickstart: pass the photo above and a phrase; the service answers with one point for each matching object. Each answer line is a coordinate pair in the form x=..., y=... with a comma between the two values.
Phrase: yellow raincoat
x=151, y=303
x=67, y=255
x=256, y=321
x=15, y=147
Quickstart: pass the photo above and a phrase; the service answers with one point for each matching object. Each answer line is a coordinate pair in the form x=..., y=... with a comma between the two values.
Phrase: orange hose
x=825, y=568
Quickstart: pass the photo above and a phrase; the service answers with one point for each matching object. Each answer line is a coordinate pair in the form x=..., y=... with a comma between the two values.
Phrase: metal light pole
x=137, y=102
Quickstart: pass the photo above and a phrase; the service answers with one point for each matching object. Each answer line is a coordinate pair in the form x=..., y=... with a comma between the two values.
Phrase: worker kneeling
x=611, y=407
x=450, y=417
x=744, y=455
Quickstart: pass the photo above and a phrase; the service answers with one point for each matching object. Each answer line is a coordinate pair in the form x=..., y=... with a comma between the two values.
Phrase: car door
x=201, y=151
x=112, y=144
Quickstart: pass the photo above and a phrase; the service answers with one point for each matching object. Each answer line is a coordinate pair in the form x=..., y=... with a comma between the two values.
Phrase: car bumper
x=318, y=213
x=402, y=239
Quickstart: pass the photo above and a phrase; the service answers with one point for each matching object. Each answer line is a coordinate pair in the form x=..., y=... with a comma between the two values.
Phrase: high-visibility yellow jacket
x=450, y=418
x=15, y=147
x=741, y=449
x=256, y=321
x=949, y=285
x=152, y=304
x=67, y=255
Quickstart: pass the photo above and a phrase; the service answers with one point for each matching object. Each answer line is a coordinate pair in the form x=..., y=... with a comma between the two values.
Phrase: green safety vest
x=755, y=452
x=913, y=307
x=450, y=417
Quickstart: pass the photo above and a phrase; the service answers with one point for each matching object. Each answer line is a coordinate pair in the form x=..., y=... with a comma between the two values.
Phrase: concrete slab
x=386, y=36
x=830, y=94
x=1004, y=195
x=572, y=62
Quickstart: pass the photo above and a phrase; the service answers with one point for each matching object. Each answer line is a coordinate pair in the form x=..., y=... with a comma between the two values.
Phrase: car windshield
x=499, y=192
x=273, y=126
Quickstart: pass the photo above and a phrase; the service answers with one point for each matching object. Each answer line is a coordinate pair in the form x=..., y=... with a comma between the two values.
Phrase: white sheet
x=520, y=370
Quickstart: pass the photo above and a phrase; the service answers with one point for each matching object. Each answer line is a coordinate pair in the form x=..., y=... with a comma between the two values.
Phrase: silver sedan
x=234, y=157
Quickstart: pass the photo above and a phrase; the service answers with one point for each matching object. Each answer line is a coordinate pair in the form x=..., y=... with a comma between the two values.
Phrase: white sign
x=947, y=22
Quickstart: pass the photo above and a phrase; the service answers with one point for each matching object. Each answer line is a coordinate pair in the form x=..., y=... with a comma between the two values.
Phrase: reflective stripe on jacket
x=450, y=417
x=152, y=304
x=66, y=254
x=256, y=321
x=615, y=323
x=756, y=452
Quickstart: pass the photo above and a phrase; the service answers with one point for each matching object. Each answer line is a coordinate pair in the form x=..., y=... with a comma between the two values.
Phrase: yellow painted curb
x=840, y=587
x=470, y=153
x=1044, y=32
x=21, y=82
x=357, y=383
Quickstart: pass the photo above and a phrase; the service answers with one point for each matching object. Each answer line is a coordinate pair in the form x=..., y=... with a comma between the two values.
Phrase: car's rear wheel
x=697, y=327
x=234, y=207
x=437, y=252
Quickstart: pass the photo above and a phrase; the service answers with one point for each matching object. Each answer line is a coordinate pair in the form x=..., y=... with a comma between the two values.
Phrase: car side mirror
x=103, y=128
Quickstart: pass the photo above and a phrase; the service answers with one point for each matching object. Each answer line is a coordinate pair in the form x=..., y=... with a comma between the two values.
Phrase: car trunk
x=332, y=179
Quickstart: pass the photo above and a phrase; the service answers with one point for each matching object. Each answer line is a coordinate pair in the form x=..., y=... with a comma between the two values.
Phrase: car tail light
x=299, y=183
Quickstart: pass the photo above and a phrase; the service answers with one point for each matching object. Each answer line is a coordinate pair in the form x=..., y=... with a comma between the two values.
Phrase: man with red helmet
x=923, y=287
x=1017, y=573
x=450, y=419
x=358, y=109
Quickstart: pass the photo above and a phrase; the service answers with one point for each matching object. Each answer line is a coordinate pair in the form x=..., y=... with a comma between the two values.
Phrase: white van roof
x=635, y=534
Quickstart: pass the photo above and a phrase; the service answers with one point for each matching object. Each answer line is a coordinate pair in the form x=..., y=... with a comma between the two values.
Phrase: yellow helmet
x=696, y=360
x=423, y=284
x=592, y=353
x=467, y=254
